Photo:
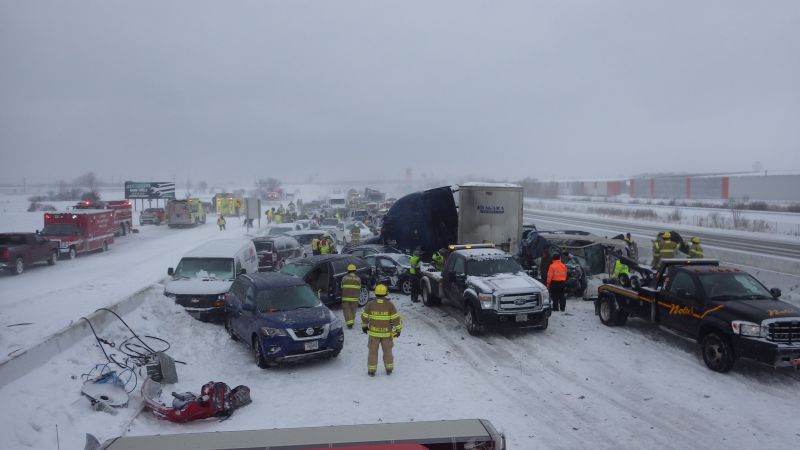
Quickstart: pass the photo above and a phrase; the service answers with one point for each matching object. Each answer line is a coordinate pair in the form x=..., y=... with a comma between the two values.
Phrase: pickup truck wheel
x=51, y=261
x=471, y=320
x=405, y=286
x=363, y=296
x=622, y=318
x=72, y=253
x=19, y=267
x=608, y=312
x=717, y=352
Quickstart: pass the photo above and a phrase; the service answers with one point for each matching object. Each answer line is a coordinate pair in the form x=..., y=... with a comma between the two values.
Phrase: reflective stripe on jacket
x=556, y=272
x=667, y=249
x=695, y=251
x=351, y=288
x=381, y=319
x=315, y=244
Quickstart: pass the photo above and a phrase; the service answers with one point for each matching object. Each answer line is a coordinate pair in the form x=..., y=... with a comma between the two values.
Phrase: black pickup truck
x=724, y=309
x=20, y=250
x=489, y=286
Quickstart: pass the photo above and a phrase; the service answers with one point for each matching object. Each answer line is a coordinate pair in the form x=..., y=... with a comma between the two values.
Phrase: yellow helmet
x=695, y=240
x=351, y=268
x=380, y=290
x=667, y=235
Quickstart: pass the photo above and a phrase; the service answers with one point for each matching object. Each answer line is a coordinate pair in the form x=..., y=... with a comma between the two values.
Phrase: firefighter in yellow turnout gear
x=351, y=291
x=381, y=321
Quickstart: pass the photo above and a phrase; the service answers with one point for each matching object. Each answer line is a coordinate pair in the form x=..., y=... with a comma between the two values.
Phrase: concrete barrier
x=34, y=357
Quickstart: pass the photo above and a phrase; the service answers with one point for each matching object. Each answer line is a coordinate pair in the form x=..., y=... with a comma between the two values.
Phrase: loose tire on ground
x=718, y=352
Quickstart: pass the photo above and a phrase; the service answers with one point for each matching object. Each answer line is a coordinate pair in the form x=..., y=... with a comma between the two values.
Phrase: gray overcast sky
x=221, y=90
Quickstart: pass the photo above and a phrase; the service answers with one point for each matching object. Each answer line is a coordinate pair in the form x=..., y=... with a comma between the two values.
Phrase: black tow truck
x=724, y=309
x=489, y=286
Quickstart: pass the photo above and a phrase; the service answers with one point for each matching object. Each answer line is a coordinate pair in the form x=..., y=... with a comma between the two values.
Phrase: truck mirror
x=242, y=271
x=775, y=292
x=460, y=277
x=170, y=271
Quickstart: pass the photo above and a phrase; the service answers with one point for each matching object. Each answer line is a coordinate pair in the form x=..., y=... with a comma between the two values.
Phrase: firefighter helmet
x=381, y=291
x=667, y=235
x=351, y=268
x=695, y=240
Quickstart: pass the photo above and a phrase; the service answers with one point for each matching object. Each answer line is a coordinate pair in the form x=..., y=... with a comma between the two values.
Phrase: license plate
x=521, y=318
x=312, y=345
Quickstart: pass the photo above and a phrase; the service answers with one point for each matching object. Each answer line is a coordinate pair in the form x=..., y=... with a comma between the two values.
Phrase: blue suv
x=281, y=319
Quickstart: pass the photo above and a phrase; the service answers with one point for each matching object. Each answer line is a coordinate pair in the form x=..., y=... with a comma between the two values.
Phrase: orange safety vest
x=557, y=272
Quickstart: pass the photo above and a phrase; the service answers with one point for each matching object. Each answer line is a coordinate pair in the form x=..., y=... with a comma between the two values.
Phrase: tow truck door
x=453, y=278
x=684, y=296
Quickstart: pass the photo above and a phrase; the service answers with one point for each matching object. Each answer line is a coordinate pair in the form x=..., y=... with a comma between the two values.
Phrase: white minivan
x=205, y=274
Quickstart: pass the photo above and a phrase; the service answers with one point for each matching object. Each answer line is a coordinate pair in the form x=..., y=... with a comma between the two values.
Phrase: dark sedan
x=324, y=274
x=369, y=249
x=393, y=267
x=281, y=319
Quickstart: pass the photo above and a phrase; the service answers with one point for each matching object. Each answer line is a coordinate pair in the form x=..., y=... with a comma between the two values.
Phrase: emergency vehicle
x=228, y=205
x=122, y=209
x=185, y=213
x=79, y=231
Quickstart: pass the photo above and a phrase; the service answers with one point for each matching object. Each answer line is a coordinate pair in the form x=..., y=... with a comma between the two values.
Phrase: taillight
x=6, y=254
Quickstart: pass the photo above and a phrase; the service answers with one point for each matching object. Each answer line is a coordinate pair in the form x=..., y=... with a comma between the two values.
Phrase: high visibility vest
x=381, y=319
x=556, y=272
x=619, y=269
x=667, y=249
x=324, y=248
x=355, y=235
x=438, y=261
x=351, y=288
x=221, y=221
x=414, y=265
x=315, y=244
x=695, y=251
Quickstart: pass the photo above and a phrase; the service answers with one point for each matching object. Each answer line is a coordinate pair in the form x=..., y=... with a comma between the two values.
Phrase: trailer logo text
x=491, y=209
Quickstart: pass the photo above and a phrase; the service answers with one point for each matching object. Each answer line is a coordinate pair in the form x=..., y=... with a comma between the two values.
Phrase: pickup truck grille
x=787, y=331
x=519, y=302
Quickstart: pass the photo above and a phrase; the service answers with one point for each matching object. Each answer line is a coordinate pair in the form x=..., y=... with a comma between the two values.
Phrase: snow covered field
x=577, y=384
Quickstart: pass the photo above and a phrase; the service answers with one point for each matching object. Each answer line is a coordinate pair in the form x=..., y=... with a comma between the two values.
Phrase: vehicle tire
x=544, y=324
x=72, y=253
x=428, y=299
x=622, y=318
x=405, y=286
x=471, y=320
x=718, y=352
x=258, y=354
x=105, y=247
x=608, y=312
x=363, y=296
x=19, y=267
x=51, y=261
x=229, y=329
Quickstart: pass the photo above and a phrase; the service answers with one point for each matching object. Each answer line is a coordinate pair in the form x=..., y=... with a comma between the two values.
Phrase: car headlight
x=744, y=328
x=487, y=300
x=545, y=298
x=336, y=322
x=273, y=332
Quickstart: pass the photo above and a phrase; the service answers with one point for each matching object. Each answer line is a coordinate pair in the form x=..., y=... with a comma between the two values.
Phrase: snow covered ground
x=573, y=385
x=576, y=384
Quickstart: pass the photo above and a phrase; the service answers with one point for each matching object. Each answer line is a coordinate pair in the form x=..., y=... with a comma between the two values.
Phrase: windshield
x=733, y=286
x=297, y=269
x=306, y=238
x=337, y=201
x=403, y=260
x=262, y=246
x=60, y=229
x=279, y=231
x=219, y=268
x=489, y=267
x=330, y=222
x=286, y=299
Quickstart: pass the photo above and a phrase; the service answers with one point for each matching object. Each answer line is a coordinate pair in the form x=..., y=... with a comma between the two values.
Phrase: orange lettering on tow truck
x=780, y=312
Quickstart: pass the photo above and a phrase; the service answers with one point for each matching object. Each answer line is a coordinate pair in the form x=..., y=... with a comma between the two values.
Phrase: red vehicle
x=79, y=231
x=123, y=213
x=20, y=250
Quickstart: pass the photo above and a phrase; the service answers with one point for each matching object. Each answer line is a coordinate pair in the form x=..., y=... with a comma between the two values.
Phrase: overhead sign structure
x=149, y=190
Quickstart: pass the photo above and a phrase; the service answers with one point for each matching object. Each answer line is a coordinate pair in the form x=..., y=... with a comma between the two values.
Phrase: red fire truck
x=123, y=213
x=79, y=231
